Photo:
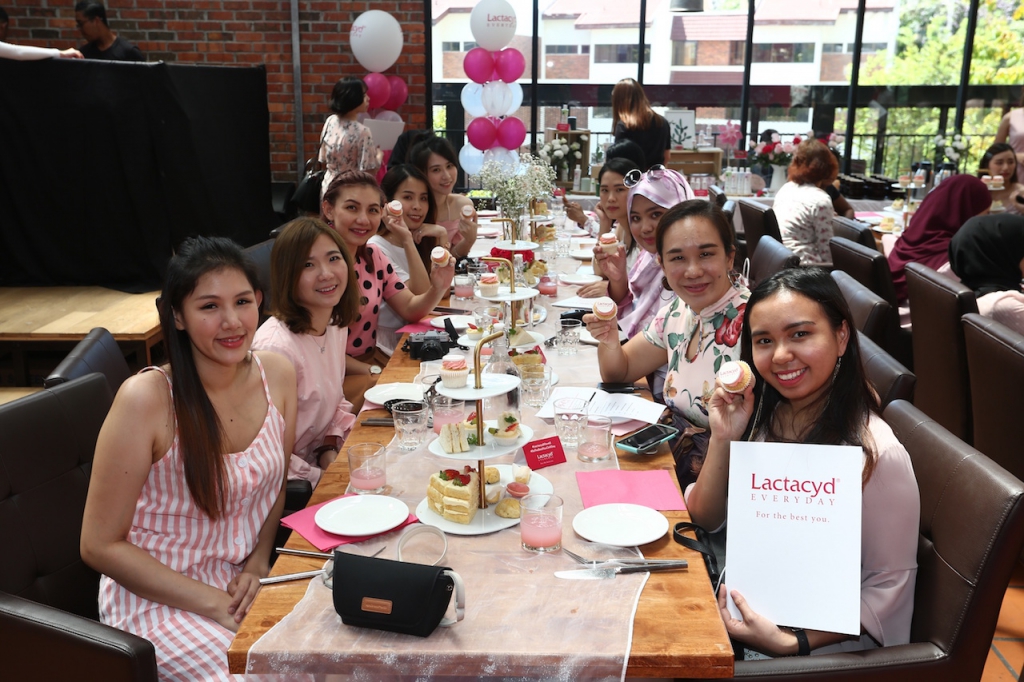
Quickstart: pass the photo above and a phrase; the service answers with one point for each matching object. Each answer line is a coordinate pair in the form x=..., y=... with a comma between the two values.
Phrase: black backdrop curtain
x=106, y=166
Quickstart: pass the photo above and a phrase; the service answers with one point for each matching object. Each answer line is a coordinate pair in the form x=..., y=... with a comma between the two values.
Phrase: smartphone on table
x=647, y=439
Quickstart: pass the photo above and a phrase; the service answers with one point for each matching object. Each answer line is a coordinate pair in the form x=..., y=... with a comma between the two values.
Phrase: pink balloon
x=399, y=93
x=511, y=133
x=510, y=64
x=478, y=65
x=378, y=88
x=495, y=76
x=481, y=133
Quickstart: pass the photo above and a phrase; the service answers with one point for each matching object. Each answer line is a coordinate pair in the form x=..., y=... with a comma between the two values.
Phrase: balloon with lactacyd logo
x=471, y=93
x=471, y=159
x=493, y=23
x=496, y=98
x=376, y=39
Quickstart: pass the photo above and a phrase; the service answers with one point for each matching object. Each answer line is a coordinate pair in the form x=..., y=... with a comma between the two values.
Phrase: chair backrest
x=47, y=441
x=716, y=195
x=871, y=313
x=867, y=266
x=97, y=352
x=260, y=255
x=940, y=355
x=995, y=363
x=972, y=529
x=758, y=220
x=855, y=231
x=771, y=257
x=892, y=381
x=729, y=209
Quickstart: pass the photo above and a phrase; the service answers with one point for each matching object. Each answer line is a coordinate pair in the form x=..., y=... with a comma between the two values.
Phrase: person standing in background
x=634, y=119
x=1011, y=129
x=91, y=18
x=346, y=144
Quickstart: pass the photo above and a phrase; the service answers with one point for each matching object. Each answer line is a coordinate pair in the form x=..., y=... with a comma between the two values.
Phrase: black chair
x=892, y=381
x=716, y=195
x=871, y=313
x=758, y=220
x=771, y=257
x=855, y=231
x=48, y=596
x=97, y=352
x=260, y=255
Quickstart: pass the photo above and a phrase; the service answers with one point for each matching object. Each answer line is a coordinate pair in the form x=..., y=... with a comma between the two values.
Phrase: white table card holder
x=794, y=542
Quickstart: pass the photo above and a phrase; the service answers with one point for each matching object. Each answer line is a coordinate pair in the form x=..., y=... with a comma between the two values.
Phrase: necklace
x=323, y=348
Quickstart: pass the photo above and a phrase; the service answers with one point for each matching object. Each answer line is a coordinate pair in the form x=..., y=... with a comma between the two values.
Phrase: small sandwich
x=394, y=208
x=467, y=211
x=605, y=308
x=609, y=242
x=455, y=438
x=888, y=224
x=735, y=376
x=439, y=256
x=897, y=204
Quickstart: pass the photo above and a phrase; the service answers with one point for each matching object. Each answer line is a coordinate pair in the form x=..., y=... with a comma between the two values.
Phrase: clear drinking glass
x=447, y=411
x=540, y=523
x=568, y=339
x=367, y=466
x=410, y=422
x=463, y=287
x=562, y=242
x=477, y=269
x=536, y=384
x=570, y=417
x=596, y=440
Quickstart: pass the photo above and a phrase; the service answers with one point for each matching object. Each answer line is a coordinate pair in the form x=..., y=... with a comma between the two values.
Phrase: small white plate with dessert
x=578, y=279
x=522, y=338
x=461, y=438
x=361, y=515
x=454, y=507
x=381, y=393
x=517, y=245
x=460, y=322
x=582, y=254
x=619, y=524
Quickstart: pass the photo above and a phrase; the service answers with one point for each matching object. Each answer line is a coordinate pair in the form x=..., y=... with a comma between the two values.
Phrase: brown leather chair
x=892, y=381
x=716, y=195
x=995, y=363
x=940, y=355
x=972, y=529
x=48, y=596
x=870, y=268
x=97, y=352
x=855, y=231
x=758, y=220
x=260, y=255
x=871, y=314
x=771, y=257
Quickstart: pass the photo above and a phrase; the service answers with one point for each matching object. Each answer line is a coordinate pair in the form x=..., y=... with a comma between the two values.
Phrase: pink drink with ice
x=548, y=287
x=368, y=479
x=446, y=415
x=541, y=531
x=464, y=290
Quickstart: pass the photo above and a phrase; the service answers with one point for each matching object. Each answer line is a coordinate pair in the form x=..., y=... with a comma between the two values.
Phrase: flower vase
x=779, y=177
x=563, y=174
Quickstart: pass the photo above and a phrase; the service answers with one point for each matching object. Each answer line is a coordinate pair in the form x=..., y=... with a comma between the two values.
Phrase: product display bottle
x=501, y=363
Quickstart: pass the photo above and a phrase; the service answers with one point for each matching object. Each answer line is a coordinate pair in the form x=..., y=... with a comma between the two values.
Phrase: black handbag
x=307, y=193
x=395, y=596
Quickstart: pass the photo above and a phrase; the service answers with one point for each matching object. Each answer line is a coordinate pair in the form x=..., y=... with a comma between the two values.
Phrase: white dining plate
x=490, y=450
x=582, y=254
x=578, y=279
x=381, y=393
x=361, y=515
x=871, y=220
x=620, y=525
x=488, y=231
x=554, y=376
x=574, y=232
x=587, y=338
x=460, y=322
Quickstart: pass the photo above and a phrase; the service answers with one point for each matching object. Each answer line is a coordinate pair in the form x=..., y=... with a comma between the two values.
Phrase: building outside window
x=561, y=49
x=784, y=53
x=737, y=52
x=451, y=46
x=684, y=53
x=620, y=54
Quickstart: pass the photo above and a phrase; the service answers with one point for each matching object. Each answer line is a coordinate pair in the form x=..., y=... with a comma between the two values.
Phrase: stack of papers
x=618, y=406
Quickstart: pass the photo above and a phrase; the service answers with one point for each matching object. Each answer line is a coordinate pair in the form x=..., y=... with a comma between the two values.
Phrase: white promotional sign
x=794, y=540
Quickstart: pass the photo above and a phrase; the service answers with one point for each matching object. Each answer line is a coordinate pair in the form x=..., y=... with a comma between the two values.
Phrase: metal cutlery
x=605, y=572
x=595, y=563
x=328, y=572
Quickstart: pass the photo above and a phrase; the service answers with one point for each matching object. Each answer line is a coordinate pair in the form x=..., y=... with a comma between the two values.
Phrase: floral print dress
x=347, y=145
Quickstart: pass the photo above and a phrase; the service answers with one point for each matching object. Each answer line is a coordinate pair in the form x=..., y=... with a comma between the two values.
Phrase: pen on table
x=591, y=398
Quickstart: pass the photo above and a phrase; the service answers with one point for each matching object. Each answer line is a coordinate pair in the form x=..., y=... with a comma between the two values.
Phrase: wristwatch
x=375, y=369
x=802, y=645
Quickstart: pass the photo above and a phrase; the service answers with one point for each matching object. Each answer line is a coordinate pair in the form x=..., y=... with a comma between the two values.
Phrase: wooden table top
x=12, y=393
x=677, y=630
x=62, y=313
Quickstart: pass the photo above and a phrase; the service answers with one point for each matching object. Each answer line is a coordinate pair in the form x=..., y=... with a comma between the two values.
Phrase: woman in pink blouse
x=804, y=210
x=345, y=143
x=315, y=299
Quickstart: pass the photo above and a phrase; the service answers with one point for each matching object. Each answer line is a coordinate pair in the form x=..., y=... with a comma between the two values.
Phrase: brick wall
x=713, y=53
x=567, y=66
x=243, y=33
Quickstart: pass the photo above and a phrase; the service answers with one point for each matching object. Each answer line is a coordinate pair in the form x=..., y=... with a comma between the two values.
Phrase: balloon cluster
x=376, y=39
x=494, y=95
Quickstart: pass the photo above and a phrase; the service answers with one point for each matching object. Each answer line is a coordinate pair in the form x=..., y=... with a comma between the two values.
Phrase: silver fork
x=304, y=574
x=624, y=562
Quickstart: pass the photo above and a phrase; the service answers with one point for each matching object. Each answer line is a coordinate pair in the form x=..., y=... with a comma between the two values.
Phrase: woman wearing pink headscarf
x=941, y=214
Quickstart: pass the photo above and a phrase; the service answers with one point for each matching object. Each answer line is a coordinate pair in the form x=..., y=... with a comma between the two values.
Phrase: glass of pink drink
x=540, y=522
x=447, y=411
x=548, y=285
x=367, y=465
x=595, y=440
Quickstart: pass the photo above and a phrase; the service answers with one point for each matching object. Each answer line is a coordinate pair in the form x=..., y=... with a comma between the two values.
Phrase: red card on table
x=304, y=523
x=544, y=452
x=653, y=489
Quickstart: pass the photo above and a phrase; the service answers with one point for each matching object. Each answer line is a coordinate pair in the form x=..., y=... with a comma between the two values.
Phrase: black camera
x=425, y=346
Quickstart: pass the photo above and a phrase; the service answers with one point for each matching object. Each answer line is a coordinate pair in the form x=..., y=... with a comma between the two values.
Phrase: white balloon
x=471, y=159
x=471, y=100
x=385, y=115
x=517, y=98
x=496, y=98
x=376, y=39
x=493, y=23
x=506, y=157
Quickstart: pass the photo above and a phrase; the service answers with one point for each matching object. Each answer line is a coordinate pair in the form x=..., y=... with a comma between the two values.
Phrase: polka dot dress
x=378, y=282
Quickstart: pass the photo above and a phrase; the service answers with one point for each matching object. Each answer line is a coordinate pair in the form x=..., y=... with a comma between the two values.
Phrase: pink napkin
x=653, y=489
x=303, y=523
x=416, y=327
x=867, y=214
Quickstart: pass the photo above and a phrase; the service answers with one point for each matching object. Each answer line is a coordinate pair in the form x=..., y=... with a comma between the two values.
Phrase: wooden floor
x=1006, y=657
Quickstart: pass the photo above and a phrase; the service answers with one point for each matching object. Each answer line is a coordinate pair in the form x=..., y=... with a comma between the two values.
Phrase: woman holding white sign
x=810, y=388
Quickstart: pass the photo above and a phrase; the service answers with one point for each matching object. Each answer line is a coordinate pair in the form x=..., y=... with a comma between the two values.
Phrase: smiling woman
x=435, y=158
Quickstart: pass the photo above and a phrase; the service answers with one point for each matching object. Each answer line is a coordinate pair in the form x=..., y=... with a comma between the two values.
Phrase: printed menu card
x=793, y=545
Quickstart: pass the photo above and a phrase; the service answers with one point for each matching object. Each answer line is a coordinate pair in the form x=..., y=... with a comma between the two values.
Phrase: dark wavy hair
x=200, y=433
x=289, y=256
x=347, y=94
x=813, y=163
x=986, y=159
x=399, y=174
x=850, y=402
x=696, y=208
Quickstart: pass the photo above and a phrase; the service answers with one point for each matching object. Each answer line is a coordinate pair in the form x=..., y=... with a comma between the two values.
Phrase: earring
x=664, y=284
x=835, y=372
x=330, y=224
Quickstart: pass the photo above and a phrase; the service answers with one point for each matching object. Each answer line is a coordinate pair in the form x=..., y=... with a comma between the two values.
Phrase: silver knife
x=611, y=572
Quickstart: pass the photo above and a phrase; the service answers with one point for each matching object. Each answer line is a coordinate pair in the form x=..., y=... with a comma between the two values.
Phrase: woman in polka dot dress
x=353, y=205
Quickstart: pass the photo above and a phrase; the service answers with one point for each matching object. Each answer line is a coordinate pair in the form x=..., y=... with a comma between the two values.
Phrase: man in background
x=91, y=18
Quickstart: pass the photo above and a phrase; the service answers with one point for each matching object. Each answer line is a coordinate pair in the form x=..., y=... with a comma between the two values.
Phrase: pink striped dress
x=169, y=525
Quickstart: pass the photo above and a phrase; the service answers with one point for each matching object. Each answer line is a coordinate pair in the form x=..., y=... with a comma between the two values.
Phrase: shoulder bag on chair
x=307, y=194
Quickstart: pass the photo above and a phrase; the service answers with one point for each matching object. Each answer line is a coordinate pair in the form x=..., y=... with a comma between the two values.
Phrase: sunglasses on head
x=634, y=176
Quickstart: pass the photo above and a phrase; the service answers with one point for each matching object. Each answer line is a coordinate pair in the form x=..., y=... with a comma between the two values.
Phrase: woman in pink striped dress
x=187, y=482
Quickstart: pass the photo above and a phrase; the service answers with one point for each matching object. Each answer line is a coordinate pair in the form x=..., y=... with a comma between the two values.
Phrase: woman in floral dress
x=694, y=333
x=345, y=143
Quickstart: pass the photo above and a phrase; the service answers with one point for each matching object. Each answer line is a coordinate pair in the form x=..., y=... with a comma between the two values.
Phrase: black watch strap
x=803, y=646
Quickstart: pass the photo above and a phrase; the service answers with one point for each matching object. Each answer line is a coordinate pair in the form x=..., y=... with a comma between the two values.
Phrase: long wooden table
x=42, y=317
x=677, y=629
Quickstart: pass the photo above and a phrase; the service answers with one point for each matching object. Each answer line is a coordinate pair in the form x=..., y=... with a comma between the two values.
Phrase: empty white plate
x=620, y=524
x=578, y=279
x=361, y=515
x=381, y=393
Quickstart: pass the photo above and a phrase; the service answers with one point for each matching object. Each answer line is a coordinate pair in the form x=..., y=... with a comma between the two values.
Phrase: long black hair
x=200, y=434
x=986, y=159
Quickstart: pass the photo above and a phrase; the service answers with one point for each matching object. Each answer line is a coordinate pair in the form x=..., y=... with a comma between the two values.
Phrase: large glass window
x=684, y=53
x=784, y=53
x=620, y=54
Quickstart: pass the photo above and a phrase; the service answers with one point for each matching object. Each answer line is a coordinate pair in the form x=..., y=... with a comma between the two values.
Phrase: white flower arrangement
x=558, y=151
x=514, y=189
x=952, y=148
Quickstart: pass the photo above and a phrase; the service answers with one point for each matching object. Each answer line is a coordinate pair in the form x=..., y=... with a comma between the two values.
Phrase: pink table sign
x=653, y=489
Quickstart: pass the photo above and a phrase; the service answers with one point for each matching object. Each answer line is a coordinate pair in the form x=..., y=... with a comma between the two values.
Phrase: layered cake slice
x=454, y=495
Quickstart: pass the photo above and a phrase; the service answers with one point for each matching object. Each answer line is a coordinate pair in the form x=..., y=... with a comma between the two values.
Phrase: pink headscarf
x=665, y=187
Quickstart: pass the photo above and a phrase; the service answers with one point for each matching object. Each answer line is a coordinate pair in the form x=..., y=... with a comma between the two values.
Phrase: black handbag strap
x=699, y=543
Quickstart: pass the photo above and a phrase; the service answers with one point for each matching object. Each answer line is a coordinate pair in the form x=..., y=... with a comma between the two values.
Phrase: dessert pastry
x=508, y=508
x=997, y=182
x=735, y=376
x=455, y=438
x=526, y=357
x=467, y=211
x=522, y=474
x=897, y=204
x=491, y=475
x=605, y=308
x=517, y=489
x=609, y=242
x=507, y=431
x=488, y=284
x=439, y=256
x=492, y=492
x=987, y=181
x=454, y=495
x=996, y=207
x=473, y=332
x=888, y=224
x=454, y=371
x=904, y=180
x=394, y=208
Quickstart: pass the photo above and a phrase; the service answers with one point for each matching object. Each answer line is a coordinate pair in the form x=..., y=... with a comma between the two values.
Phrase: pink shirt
x=378, y=282
x=322, y=408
